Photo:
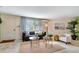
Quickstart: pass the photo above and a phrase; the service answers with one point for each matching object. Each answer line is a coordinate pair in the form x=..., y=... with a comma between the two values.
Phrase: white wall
x=11, y=23
x=51, y=25
x=10, y=27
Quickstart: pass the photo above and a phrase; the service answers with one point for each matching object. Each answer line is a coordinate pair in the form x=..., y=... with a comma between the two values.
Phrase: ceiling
x=47, y=12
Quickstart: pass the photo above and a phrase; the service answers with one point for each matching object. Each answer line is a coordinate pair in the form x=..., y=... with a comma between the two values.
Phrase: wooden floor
x=26, y=47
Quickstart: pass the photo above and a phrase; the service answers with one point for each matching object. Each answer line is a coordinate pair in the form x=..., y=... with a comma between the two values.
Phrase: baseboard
x=6, y=41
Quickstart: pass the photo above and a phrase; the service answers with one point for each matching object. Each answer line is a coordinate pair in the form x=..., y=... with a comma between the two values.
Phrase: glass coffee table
x=33, y=38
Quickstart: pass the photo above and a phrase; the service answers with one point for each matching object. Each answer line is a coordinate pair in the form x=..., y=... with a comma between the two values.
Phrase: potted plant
x=72, y=27
x=0, y=28
x=0, y=21
x=77, y=34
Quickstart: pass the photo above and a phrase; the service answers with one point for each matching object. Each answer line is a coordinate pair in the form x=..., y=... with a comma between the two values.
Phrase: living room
x=18, y=25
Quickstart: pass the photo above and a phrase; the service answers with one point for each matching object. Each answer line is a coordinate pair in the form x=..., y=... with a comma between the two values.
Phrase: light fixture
x=46, y=25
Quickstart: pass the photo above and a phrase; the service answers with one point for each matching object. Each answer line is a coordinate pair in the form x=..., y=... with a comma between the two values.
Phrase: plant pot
x=73, y=37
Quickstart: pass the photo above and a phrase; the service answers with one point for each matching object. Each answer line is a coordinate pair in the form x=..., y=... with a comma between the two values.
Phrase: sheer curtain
x=31, y=24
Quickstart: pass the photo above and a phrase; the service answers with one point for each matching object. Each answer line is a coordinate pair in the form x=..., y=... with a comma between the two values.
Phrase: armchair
x=41, y=35
x=65, y=38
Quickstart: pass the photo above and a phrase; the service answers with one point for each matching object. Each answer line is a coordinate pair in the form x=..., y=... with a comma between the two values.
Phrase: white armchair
x=65, y=38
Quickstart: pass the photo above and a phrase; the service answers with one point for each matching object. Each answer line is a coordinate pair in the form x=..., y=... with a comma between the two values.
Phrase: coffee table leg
x=31, y=43
x=38, y=43
x=46, y=43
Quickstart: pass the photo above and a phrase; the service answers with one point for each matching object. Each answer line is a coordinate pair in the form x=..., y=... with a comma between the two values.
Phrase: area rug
x=9, y=47
x=75, y=43
x=26, y=48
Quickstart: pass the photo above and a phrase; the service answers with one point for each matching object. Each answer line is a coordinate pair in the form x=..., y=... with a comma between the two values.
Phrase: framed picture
x=59, y=26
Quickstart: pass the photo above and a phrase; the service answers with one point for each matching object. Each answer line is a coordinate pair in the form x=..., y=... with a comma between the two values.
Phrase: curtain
x=30, y=24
